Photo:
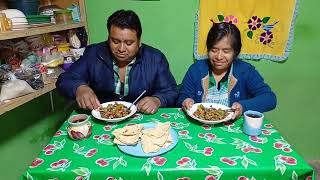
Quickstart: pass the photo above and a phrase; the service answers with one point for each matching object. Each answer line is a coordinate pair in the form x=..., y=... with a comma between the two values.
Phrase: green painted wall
x=169, y=26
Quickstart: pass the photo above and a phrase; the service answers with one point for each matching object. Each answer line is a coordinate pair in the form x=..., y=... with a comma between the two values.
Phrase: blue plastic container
x=28, y=7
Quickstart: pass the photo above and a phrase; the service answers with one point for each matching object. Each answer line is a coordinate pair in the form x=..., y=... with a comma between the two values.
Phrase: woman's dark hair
x=219, y=31
x=125, y=19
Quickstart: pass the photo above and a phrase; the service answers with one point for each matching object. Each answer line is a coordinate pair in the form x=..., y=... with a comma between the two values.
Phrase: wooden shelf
x=39, y=30
x=13, y=103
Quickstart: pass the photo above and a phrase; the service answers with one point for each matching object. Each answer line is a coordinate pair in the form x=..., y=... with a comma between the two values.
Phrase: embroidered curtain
x=266, y=26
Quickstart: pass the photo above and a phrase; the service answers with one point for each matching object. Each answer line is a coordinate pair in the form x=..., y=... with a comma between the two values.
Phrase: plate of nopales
x=114, y=111
x=210, y=113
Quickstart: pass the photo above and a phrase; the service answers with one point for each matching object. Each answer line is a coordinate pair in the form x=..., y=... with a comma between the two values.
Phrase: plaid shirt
x=117, y=82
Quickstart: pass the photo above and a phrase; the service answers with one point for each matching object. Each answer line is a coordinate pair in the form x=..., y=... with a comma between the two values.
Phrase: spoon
x=137, y=98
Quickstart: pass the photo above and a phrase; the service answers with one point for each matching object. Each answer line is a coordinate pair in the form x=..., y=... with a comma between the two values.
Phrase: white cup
x=252, y=124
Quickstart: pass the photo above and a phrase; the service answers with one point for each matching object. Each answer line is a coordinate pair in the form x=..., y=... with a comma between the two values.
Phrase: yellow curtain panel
x=266, y=26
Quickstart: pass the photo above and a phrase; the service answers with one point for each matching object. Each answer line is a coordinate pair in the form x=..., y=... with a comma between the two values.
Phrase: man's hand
x=86, y=98
x=149, y=105
x=238, y=110
x=187, y=104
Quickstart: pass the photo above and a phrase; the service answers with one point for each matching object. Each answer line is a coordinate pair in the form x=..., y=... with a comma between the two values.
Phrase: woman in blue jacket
x=223, y=78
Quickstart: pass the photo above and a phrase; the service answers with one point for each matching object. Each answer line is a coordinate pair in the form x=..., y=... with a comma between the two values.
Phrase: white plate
x=137, y=149
x=207, y=105
x=96, y=113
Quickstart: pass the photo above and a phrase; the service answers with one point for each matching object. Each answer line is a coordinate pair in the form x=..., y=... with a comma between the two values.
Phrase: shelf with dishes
x=53, y=39
x=39, y=30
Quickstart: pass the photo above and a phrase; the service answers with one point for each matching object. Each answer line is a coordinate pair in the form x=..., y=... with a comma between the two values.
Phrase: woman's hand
x=238, y=110
x=86, y=98
x=187, y=104
x=149, y=105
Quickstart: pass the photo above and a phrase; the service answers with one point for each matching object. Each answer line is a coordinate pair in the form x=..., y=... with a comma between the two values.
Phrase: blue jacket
x=150, y=72
x=246, y=86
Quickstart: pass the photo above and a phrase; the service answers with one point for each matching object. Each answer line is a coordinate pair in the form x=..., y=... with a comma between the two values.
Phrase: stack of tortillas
x=128, y=135
x=152, y=139
x=155, y=138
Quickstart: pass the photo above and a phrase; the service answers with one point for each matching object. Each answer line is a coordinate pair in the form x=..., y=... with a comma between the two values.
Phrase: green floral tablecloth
x=203, y=152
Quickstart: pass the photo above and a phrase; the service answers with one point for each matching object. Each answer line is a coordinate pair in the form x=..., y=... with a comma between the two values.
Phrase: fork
x=230, y=110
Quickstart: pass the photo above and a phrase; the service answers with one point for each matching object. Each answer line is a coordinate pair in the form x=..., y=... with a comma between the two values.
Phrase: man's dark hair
x=125, y=19
x=219, y=31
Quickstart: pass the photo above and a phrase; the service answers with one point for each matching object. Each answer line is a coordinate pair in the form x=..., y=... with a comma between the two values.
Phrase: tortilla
x=128, y=135
x=128, y=130
x=155, y=138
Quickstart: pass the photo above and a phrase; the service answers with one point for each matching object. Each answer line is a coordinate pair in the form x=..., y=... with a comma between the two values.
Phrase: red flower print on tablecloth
x=268, y=126
x=103, y=139
x=137, y=117
x=179, y=125
x=212, y=138
x=184, y=178
x=81, y=150
x=107, y=161
x=166, y=116
x=158, y=161
x=102, y=162
x=282, y=144
x=268, y=132
x=51, y=148
x=260, y=140
x=186, y=162
x=246, y=178
x=245, y=147
x=36, y=162
x=83, y=173
x=207, y=151
x=232, y=161
x=113, y=178
x=281, y=161
x=60, y=165
x=206, y=127
x=214, y=171
x=228, y=123
x=109, y=127
x=184, y=134
x=60, y=133
x=228, y=161
x=309, y=178
x=79, y=178
x=210, y=177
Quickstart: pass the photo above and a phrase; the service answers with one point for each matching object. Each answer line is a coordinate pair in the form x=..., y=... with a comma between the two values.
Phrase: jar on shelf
x=63, y=16
x=5, y=23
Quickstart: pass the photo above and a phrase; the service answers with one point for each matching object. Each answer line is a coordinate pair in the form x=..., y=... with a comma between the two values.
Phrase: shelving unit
x=16, y=102
x=13, y=103
x=39, y=30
